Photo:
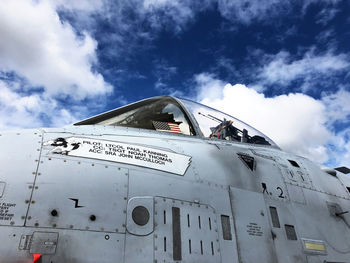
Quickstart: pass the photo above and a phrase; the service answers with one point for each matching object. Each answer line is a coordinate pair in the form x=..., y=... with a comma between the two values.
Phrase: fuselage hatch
x=166, y=180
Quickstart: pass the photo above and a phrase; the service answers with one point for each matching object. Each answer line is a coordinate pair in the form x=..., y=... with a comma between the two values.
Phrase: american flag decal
x=166, y=126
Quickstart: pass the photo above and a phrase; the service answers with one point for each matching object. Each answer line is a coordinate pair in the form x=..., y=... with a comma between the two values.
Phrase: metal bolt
x=26, y=201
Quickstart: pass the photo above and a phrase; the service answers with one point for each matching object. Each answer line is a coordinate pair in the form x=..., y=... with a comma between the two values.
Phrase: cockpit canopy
x=180, y=116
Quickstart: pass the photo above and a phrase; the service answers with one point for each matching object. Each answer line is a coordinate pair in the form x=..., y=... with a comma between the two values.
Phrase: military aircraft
x=166, y=180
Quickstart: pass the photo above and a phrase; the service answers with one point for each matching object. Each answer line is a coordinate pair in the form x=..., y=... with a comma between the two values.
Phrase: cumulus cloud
x=37, y=45
x=297, y=122
x=20, y=110
x=282, y=69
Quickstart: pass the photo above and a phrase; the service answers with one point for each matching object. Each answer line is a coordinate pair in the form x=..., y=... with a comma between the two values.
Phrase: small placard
x=317, y=247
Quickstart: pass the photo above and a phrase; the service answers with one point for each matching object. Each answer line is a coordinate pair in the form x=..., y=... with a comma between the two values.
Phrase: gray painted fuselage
x=235, y=202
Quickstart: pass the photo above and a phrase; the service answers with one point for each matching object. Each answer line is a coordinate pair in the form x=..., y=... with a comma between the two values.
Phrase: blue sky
x=281, y=66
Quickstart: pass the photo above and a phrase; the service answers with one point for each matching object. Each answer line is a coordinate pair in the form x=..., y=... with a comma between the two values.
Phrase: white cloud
x=28, y=111
x=37, y=45
x=282, y=69
x=297, y=122
x=338, y=105
x=247, y=10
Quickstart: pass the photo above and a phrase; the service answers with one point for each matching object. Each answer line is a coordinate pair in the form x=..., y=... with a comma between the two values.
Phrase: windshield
x=216, y=124
x=161, y=114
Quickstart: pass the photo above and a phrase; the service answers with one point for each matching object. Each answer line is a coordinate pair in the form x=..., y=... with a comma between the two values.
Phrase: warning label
x=5, y=213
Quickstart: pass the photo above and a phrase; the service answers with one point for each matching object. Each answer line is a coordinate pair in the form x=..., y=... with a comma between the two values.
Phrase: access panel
x=253, y=232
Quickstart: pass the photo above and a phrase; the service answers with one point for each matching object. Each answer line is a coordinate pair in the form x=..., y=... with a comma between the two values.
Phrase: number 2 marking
x=281, y=194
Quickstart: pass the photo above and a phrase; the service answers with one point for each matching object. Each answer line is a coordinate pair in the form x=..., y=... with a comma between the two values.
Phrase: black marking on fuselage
x=76, y=202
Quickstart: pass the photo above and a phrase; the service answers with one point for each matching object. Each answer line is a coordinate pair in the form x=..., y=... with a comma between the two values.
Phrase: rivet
x=36, y=187
x=54, y=225
x=124, y=211
x=125, y=198
x=92, y=164
x=29, y=217
x=26, y=201
x=39, y=173
x=123, y=225
x=33, y=172
x=87, y=228
x=33, y=202
x=116, y=230
x=30, y=187
x=71, y=226
x=102, y=229
x=64, y=161
x=49, y=159
x=38, y=149
x=36, y=224
x=118, y=168
x=106, y=166
x=12, y=223
x=23, y=217
x=155, y=236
